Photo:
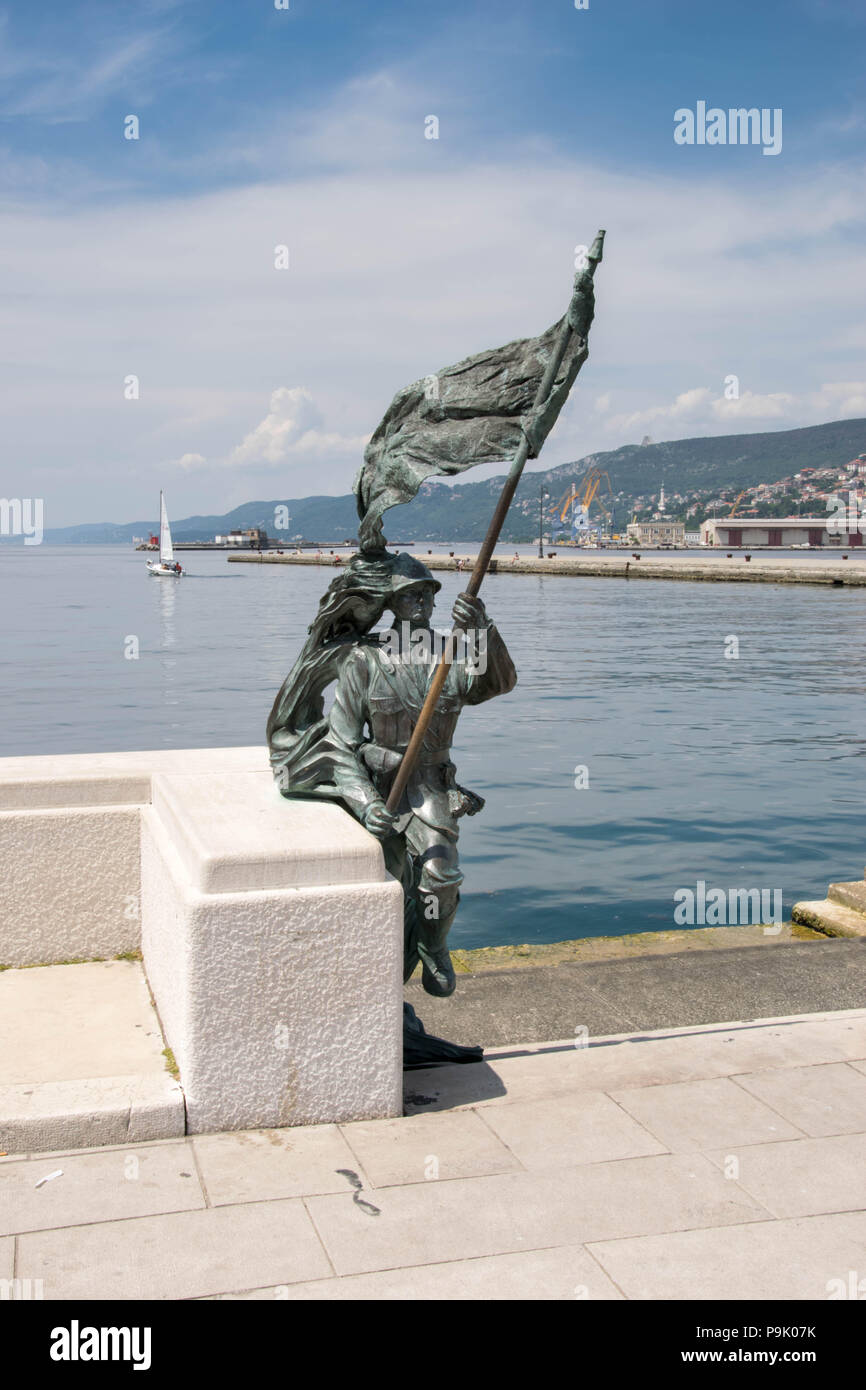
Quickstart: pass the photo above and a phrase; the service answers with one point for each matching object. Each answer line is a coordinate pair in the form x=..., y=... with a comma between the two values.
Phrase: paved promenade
x=720, y=1161
x=839, y=568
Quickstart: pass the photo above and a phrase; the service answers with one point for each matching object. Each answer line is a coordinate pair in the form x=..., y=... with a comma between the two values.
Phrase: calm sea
x=743, y=773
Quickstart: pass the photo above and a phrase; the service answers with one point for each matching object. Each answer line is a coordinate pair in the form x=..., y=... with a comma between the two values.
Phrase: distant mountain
x=461, y=512
x=318, y=518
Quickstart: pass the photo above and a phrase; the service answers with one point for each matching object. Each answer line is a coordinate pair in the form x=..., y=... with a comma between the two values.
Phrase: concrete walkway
x=706, y=1162
x=82, y=1060
x=842, y=567
x=659, y=986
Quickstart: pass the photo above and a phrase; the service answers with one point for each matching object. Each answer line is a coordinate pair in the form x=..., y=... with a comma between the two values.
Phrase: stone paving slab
x=183, y=1255
x=587, y=1128
x=81, y=1059
x=829, y=1099
x=567, y=1273
x=98, y=1187
x=769, y=1260
x=265, y=1164
x=693, y=1116
x=806, y=1177
x=429, y=1147
x=7, y=1257
x=435, y=1221
x=77, y=1022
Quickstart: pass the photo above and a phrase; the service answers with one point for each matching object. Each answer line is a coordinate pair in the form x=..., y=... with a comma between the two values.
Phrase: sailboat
x=167, y=564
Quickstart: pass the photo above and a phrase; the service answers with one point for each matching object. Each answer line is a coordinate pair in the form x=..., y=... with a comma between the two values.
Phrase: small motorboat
x=166, y=565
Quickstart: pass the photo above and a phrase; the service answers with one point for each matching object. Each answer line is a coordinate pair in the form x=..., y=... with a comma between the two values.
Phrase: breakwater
x=737, y=568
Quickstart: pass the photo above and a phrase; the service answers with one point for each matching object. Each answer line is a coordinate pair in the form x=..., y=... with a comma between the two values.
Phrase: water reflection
x=167, y=590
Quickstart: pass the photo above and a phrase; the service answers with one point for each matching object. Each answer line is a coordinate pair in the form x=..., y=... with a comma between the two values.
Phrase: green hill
x=461, y=512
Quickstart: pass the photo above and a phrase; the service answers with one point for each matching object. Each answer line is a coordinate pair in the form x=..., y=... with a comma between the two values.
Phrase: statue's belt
x=379, y=759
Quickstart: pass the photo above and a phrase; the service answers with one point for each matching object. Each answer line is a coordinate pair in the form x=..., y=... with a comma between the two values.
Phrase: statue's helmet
x=409, y=572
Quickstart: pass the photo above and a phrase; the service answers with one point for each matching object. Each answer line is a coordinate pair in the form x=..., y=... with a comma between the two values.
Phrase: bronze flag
x=477, y=411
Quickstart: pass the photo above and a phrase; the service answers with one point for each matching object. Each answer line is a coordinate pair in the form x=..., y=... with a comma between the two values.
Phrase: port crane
x=738, y=501
x=576, y=505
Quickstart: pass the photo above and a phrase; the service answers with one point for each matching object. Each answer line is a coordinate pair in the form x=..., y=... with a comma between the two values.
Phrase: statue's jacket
x=377, y=703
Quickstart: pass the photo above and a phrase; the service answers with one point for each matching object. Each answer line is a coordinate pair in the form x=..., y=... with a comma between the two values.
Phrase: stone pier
x=834, y=568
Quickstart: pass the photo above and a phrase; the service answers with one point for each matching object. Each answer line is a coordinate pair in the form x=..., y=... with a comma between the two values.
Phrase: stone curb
x=83, y=1114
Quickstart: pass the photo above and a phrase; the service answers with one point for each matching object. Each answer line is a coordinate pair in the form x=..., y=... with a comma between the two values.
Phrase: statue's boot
x=437, y=971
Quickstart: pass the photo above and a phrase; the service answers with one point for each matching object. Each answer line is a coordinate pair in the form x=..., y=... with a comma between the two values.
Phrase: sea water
x=641, y=753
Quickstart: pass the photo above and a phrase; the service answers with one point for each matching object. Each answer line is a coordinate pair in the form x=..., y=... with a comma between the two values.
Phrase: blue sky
x=305, y=127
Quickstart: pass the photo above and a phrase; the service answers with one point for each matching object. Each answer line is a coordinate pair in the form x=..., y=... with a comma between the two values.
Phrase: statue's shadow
x=443, y=1087
x=449, y=1086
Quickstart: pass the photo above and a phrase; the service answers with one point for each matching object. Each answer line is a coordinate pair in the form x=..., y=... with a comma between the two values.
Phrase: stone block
x=830, y=916
x=282, y=1004
x=70, y=888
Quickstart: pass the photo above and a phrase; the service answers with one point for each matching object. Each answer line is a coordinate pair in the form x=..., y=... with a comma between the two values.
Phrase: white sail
x=166, y=554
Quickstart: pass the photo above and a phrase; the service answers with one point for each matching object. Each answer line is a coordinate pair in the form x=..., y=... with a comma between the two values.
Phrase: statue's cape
x=474, y=412
x=297, y=727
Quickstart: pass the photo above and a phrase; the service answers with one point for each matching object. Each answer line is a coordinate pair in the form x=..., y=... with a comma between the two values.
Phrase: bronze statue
x=381, y=689
x=384, y=751
x=353, y=754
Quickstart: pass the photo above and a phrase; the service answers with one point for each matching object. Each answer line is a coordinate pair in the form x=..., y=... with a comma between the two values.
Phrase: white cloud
x=689, y=405
x=751, y=405
x=396, y=273
x=840, y=398
x=292, y=427
x=699, y=407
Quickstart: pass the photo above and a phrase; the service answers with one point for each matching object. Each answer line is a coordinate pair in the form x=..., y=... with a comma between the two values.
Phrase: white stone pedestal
x=273, y=944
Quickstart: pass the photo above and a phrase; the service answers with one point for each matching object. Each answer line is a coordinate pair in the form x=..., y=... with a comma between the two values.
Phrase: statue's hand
x=469, y=612
x=379, y=820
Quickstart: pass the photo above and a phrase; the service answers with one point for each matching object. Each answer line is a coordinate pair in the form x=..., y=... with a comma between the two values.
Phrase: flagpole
x=410, y=757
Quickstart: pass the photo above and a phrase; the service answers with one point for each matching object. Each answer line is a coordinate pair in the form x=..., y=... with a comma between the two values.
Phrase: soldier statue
x=379, y=696
x=352, y=754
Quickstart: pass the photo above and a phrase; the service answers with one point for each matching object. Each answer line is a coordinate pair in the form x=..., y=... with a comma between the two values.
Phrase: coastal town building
x=253, y=536
x=779, y=531
x=656, y=532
